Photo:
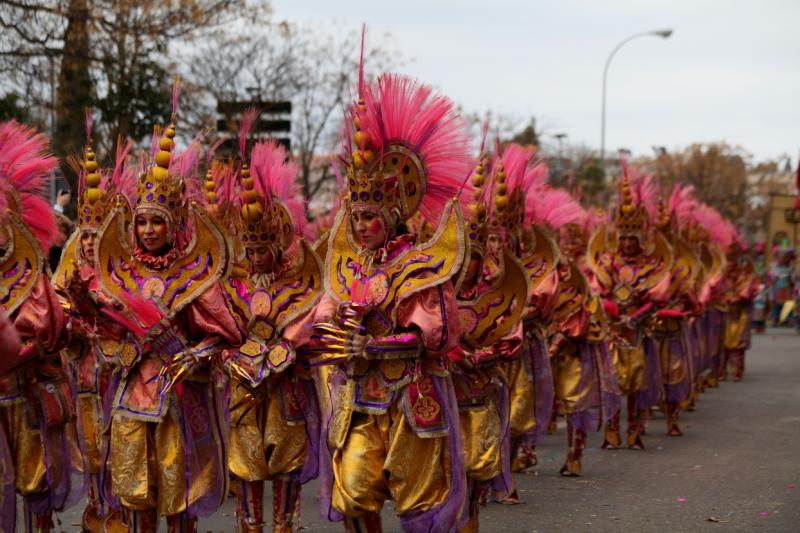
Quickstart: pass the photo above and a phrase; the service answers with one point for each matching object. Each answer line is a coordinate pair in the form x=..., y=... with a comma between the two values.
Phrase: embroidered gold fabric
x=480, y=433
x=263, y=445
x=522, y=395
x=629, y=364
x=382, y=458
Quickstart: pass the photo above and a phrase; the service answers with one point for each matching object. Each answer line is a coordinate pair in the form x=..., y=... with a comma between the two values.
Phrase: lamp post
x=664, y=34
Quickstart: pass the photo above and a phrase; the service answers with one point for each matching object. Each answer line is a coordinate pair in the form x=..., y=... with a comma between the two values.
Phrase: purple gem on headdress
x=171, y=205
x=244, y=238
x=86, y=210
x=354, y=196
x=88, y=219
x=162, y=198
x=473, y=226
x=352, y=182
x=139, y=199
x=97, y=219
x=149, y=197
x=377, y=196
x=251, y=227
x=364, y=196
x=472, y=236
x=163, y=187
x=148, y=185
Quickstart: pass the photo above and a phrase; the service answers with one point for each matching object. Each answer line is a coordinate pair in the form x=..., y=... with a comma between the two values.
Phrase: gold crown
x=477, y=226
x=631, y=219
x=392, y=183
x=92, y=207
x=274, y=227
x=158, y=190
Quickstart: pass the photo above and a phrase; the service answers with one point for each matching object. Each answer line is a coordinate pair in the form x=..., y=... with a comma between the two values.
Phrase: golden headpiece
x=477, y=225
x=410, y=151
x=631, y=218
x=272, y=210
x=160, y=190
x=92, y=203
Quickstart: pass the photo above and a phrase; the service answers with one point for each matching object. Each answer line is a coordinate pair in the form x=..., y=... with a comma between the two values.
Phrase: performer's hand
x=359, y=343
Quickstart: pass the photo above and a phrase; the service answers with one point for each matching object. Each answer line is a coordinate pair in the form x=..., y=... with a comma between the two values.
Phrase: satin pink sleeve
x=209, y=314
x=434, y=313
x=660, y=292
x=41, y=316
x=299, y=332
x=9, y=338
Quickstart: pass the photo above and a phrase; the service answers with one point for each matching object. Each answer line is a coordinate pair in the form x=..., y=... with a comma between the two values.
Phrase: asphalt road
x=737, y=468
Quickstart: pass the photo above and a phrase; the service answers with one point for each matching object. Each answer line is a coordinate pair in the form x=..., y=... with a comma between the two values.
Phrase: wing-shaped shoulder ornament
x=20, y=265
x=542, y=259
x=421, y=267
x=597, y=254
x=495, y=313
x=204, y=262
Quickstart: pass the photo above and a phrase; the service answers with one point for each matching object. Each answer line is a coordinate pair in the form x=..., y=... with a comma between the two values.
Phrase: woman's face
x=151, y=230
x=473, y=270
x=87, y=245
x=261, y=259
x=369, y=229
x=629, y=246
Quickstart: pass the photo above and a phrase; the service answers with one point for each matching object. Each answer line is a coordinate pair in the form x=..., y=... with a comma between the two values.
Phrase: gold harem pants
x=382, y=458
x=149, y=465
x=629, y=364
x=480, y=433
x=263, y=444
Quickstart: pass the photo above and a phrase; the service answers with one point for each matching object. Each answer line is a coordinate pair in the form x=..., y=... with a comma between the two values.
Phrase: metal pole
x=659, y=33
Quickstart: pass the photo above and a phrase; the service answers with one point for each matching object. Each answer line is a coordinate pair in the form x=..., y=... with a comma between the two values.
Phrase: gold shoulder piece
x=69, y=261
x=300, y=289
x=421, y=267
x=686, y=268
x=659, y=262
x=321, y=245
x=543, y=258
x=204, y=262
x=597, y=249
x=573, y=294
x=20, y=265
x=496, y=312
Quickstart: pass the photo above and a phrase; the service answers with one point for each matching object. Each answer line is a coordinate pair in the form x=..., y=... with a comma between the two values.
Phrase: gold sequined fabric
x=382, y=458
x=629, y=364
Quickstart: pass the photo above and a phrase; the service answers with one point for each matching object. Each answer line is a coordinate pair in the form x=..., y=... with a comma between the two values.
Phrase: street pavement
x=737, y=468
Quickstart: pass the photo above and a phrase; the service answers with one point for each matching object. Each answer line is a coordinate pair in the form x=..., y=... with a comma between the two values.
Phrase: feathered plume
x=123, y=179
x=176, y=92
x=275, y=179
x=553, y=208
x=249, y=119
x=26, y=166
x=400, y=110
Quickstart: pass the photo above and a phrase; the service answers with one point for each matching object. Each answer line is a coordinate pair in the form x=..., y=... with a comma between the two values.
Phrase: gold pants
x=263, y=444
x=567, y=379
x=735, y=325
x=383, y=458
x=480, y=433
x=90, y=427
x=27, y=451
x=629, y=363
x=522, y=397
x=148, y=462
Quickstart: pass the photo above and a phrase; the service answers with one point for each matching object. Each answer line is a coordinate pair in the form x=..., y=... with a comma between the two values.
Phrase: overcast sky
x=731, y=70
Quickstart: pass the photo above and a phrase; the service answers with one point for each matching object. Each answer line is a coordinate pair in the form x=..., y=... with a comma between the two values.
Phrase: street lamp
x=657, y=33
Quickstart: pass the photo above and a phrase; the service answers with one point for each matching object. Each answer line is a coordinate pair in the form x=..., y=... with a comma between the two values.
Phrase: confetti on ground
x=791, y=486
x=681, y=499
x=765, y=513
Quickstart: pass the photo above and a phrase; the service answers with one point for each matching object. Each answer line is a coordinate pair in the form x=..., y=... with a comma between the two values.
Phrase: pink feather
x=121, y=182
x=401, y=110
x=275, y=178
x=249, y=119
x=176, y=92
x=26, y=166
x=88, y=124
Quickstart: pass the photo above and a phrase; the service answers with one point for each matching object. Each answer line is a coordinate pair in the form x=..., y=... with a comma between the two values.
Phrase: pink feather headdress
x=25, y=170
x=410, y=150
x=273, y=193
